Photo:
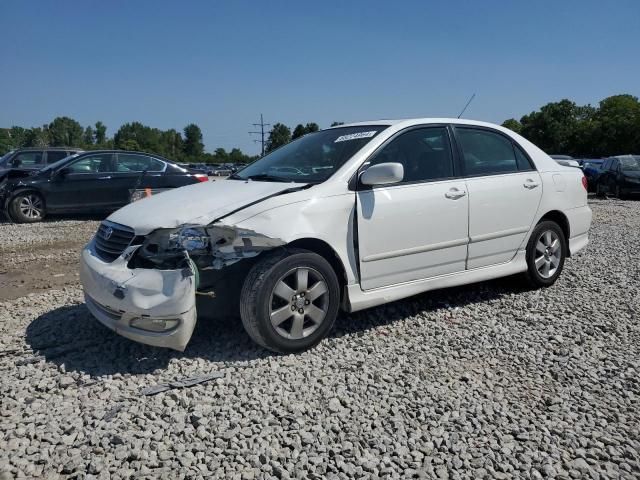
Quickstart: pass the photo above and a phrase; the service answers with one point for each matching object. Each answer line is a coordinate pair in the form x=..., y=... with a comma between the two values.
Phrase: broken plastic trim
x=211, y=247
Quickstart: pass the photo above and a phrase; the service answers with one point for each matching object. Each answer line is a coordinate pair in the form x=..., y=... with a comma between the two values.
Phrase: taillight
x=201, y=177
x=585, y=183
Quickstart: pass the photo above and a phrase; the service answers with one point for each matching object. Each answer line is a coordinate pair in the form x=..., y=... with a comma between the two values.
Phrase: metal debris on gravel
x=484, y=381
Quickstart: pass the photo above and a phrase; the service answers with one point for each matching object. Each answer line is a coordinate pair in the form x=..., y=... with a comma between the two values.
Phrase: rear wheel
x=290, y=300
x=27, y=207
x=546, y=252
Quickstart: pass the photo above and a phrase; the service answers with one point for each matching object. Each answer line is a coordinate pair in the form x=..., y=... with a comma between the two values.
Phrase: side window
x=54, y=156
x=606, y=164
x=486, y=153
x=614, y=165
x=425, y=154
x=27, y=159
x=521, y=159
x=131, y=162
x=100, y=162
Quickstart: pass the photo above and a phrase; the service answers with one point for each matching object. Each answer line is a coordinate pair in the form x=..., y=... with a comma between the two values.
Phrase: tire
x=544, y=264
x=619, y=194
x=27, y=207
x=299, y=322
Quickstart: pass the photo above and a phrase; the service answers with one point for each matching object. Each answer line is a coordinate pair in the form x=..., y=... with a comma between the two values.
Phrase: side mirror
x=63, y=172
x=383, y=174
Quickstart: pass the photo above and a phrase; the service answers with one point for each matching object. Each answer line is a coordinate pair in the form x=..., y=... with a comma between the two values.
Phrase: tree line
x=281, y=134
x=185, y=146
x=584, y=131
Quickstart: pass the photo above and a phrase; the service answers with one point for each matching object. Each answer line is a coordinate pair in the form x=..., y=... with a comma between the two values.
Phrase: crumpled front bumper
x=117, y=296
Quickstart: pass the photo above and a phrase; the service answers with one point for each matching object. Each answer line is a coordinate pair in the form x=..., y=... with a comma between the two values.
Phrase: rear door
x=82, y=185
x=504, y=194
x=417, y=228
x=135, y=171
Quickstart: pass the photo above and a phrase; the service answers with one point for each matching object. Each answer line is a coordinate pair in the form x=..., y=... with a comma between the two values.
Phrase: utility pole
x=261, y=133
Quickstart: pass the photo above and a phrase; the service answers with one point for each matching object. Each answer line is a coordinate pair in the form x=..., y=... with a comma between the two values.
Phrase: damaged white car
x=345, y=218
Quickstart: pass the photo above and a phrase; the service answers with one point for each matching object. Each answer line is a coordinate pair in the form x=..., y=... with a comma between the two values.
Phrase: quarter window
x=487, y=153
x=92, y=164
x=425, y=154
x=138, y=163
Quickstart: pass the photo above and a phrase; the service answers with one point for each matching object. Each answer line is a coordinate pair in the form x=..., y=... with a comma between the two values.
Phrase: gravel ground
x=484, y=381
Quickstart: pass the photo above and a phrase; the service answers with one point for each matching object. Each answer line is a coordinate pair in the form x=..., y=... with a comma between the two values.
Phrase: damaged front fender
x=211, y=247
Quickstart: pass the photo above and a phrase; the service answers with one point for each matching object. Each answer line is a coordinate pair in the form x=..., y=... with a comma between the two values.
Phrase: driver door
x=417, y=228
x=83, y=185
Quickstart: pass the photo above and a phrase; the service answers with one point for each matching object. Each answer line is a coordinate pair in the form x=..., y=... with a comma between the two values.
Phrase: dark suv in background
x=620, y=176
x=35, y=158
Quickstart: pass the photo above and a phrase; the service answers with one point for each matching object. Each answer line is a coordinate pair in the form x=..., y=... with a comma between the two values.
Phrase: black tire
x=21, y=213
x=533, y=275
x=619, y=194
x=258, y=296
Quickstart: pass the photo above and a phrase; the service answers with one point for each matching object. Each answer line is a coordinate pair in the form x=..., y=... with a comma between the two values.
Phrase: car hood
x=198, y=204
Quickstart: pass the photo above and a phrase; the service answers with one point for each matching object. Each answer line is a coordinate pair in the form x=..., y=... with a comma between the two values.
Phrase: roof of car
x=29, y=149
x=417, y=121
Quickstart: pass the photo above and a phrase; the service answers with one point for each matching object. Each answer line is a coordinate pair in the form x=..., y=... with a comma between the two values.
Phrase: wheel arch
x=14, y=193
x=327, y=252
x=562, y=221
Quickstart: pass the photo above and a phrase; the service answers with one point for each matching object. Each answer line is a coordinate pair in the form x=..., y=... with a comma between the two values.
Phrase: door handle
x=530, y=184
x=455, y=194
x=104, y=178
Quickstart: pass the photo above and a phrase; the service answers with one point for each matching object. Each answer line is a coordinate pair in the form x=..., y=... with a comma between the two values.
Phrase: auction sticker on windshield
x=355, y=136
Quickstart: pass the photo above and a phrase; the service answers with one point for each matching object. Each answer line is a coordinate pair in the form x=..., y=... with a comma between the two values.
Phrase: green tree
x=87, y=137
x=512, y=124
x=280, y=135
x=5, y=141
x=221, y=155
x=147, y=138
x=37, y=137
x=335, y=124
x=171, y=144
x=616, y=127
x=193, y=146
x=101, y=133
x=298, y=132
x=65, y=131
x=311, y=127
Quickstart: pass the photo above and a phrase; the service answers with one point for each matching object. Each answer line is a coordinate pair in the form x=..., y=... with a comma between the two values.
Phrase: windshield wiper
x=267, y=177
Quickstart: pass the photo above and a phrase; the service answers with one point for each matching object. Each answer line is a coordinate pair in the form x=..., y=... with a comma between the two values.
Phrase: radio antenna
x=465, y=107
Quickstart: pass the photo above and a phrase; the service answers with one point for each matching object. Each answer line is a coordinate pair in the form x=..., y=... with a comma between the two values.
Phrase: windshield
x=312, y=158
x=54, y=165
x=4, y=158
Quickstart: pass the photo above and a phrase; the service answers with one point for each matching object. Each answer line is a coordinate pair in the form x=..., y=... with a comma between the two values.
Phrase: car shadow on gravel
x=69, y=335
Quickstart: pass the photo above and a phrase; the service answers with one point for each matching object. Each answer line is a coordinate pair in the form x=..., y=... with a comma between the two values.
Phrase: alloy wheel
x=548, y=254
x=31, y=206
x=299, y=303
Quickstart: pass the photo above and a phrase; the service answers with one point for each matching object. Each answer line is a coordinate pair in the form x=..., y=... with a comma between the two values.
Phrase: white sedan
x=345, y=218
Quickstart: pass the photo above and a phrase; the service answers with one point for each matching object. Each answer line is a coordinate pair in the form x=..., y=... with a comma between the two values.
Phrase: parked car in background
x=591, y=167
x=89, y=182
x=35, y=158
x=349, y=217
x=221, y=171
x=620, y=176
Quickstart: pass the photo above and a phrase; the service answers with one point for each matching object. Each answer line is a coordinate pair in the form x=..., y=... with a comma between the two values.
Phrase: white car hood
x=197, y=204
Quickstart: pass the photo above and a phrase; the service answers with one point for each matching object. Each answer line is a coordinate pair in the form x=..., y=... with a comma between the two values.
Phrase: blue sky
x=221, y=63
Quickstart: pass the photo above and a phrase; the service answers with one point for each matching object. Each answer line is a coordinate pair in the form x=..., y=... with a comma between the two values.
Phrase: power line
x=261, y=132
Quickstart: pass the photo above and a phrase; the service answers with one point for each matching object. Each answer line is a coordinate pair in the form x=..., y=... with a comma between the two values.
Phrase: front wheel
x=27, y=207
x=289, y=300
x=546, y=252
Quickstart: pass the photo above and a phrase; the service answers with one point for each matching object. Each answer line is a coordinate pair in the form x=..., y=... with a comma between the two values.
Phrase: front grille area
x=112, y=239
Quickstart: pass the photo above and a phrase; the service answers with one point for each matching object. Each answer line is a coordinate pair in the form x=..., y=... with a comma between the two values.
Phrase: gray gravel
x=485, y=381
